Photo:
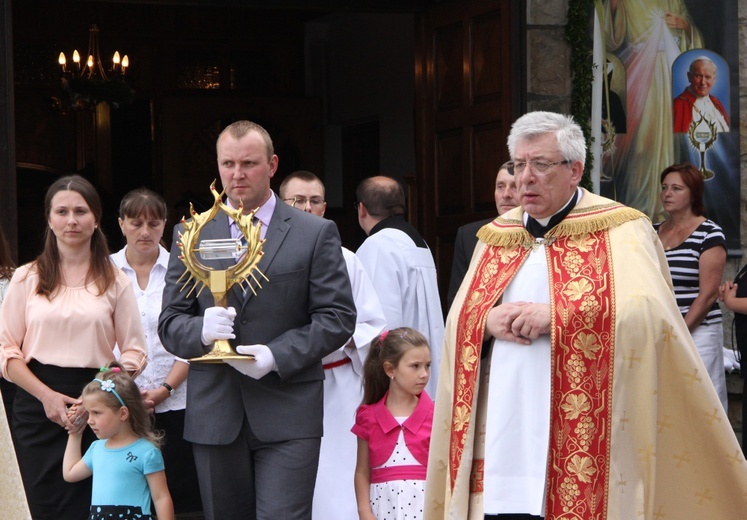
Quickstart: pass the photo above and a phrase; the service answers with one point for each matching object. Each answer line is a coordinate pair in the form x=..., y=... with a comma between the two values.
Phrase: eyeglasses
x=538, y=167
x=300, y=202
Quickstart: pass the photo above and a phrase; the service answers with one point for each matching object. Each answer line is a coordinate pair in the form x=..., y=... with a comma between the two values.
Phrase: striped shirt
x=684, y=263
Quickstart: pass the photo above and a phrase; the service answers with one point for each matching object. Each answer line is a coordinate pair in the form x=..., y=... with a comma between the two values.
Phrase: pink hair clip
x=383, y=336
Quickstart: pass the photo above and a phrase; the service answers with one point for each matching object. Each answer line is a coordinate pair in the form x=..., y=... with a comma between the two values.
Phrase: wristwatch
x=168, y=387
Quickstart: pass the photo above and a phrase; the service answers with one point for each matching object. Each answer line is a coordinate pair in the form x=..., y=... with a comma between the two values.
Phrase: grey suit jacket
x=303, y=313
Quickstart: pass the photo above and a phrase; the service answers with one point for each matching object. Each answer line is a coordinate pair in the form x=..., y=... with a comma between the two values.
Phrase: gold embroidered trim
x=510, y=232
x=495, y=270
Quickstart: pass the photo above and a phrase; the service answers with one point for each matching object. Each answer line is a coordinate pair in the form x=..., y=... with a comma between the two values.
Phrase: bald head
x=379, y=197
x=382, y=196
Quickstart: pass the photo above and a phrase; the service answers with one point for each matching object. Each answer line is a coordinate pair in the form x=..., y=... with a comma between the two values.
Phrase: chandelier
x=90, y=83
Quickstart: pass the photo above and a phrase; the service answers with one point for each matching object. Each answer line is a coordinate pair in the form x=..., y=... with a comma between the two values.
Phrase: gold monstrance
x=220, y=281
x=703, y=134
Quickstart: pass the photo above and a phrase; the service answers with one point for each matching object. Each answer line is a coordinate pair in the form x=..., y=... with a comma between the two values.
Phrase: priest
x=570, y=387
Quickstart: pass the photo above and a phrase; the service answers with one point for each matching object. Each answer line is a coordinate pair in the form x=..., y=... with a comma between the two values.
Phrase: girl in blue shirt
x=126, y=462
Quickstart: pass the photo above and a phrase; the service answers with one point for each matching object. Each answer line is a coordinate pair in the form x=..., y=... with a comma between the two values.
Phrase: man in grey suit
x=256, y=425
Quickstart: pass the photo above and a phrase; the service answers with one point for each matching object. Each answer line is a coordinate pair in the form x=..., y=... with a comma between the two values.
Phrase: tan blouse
x=76, y=328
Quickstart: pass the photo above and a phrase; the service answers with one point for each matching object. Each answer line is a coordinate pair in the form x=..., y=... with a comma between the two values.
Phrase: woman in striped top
x=696, y=253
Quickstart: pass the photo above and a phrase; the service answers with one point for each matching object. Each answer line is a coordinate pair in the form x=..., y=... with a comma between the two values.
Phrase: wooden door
x=467, y=64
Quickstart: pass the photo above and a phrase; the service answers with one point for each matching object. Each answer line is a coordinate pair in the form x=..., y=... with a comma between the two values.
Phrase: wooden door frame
x=8, y=208
x=424, y=214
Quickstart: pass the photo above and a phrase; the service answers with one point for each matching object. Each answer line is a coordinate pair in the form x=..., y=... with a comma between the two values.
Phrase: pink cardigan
x=376, y=424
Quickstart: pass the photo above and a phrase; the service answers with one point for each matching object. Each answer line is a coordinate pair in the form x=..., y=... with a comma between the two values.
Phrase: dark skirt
x=9, y=393
x=40, y=446
x=117, y=513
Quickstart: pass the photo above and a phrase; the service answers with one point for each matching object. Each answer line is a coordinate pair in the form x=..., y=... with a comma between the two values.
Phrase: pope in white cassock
x=400, y=265
x=570, y=387
x=334, y=494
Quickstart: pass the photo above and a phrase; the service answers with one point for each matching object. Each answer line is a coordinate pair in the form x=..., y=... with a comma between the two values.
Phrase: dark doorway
x=360, y=159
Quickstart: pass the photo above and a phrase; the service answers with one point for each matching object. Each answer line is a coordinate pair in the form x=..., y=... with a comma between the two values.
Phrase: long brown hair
x=389, y=347
x=140, y=421
x=47, y=264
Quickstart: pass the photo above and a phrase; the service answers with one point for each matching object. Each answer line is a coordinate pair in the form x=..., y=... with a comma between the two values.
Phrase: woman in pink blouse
x=62, y=316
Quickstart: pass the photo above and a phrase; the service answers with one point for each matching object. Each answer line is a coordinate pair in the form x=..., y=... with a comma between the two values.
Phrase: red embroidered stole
x=496, y=267
x=582, y=342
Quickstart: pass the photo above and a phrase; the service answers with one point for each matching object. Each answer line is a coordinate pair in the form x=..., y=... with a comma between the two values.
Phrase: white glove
x=217, y=323
x=257, y=368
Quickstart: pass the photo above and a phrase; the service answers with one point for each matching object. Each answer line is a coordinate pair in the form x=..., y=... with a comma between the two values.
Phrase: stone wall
x=549, y=88
x=548, y=57
x=735, y=384
x=743, y=123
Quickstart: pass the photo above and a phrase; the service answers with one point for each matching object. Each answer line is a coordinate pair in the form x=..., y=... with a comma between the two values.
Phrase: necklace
x=74, y=267
x=72, y=275
x=672, y=235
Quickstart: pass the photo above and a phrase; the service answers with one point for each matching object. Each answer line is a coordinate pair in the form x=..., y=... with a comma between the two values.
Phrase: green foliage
x=578, y=35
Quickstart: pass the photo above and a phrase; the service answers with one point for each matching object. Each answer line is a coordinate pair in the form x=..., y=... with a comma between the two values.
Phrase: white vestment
x=704, y=107
x=334, y=494
x=518, y=434
x=404, y=277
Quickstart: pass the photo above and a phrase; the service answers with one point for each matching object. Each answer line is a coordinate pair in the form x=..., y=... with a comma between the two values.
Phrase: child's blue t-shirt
x=119, y=474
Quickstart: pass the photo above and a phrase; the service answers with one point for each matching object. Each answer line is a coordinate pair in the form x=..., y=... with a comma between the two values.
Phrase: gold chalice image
x=219, y=282
x=703, y=134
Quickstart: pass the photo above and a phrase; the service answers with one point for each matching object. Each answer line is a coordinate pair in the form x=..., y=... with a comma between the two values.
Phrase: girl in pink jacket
x=393, y=426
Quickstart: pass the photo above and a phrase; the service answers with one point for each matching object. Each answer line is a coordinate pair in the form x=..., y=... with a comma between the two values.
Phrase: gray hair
x=571, y=140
